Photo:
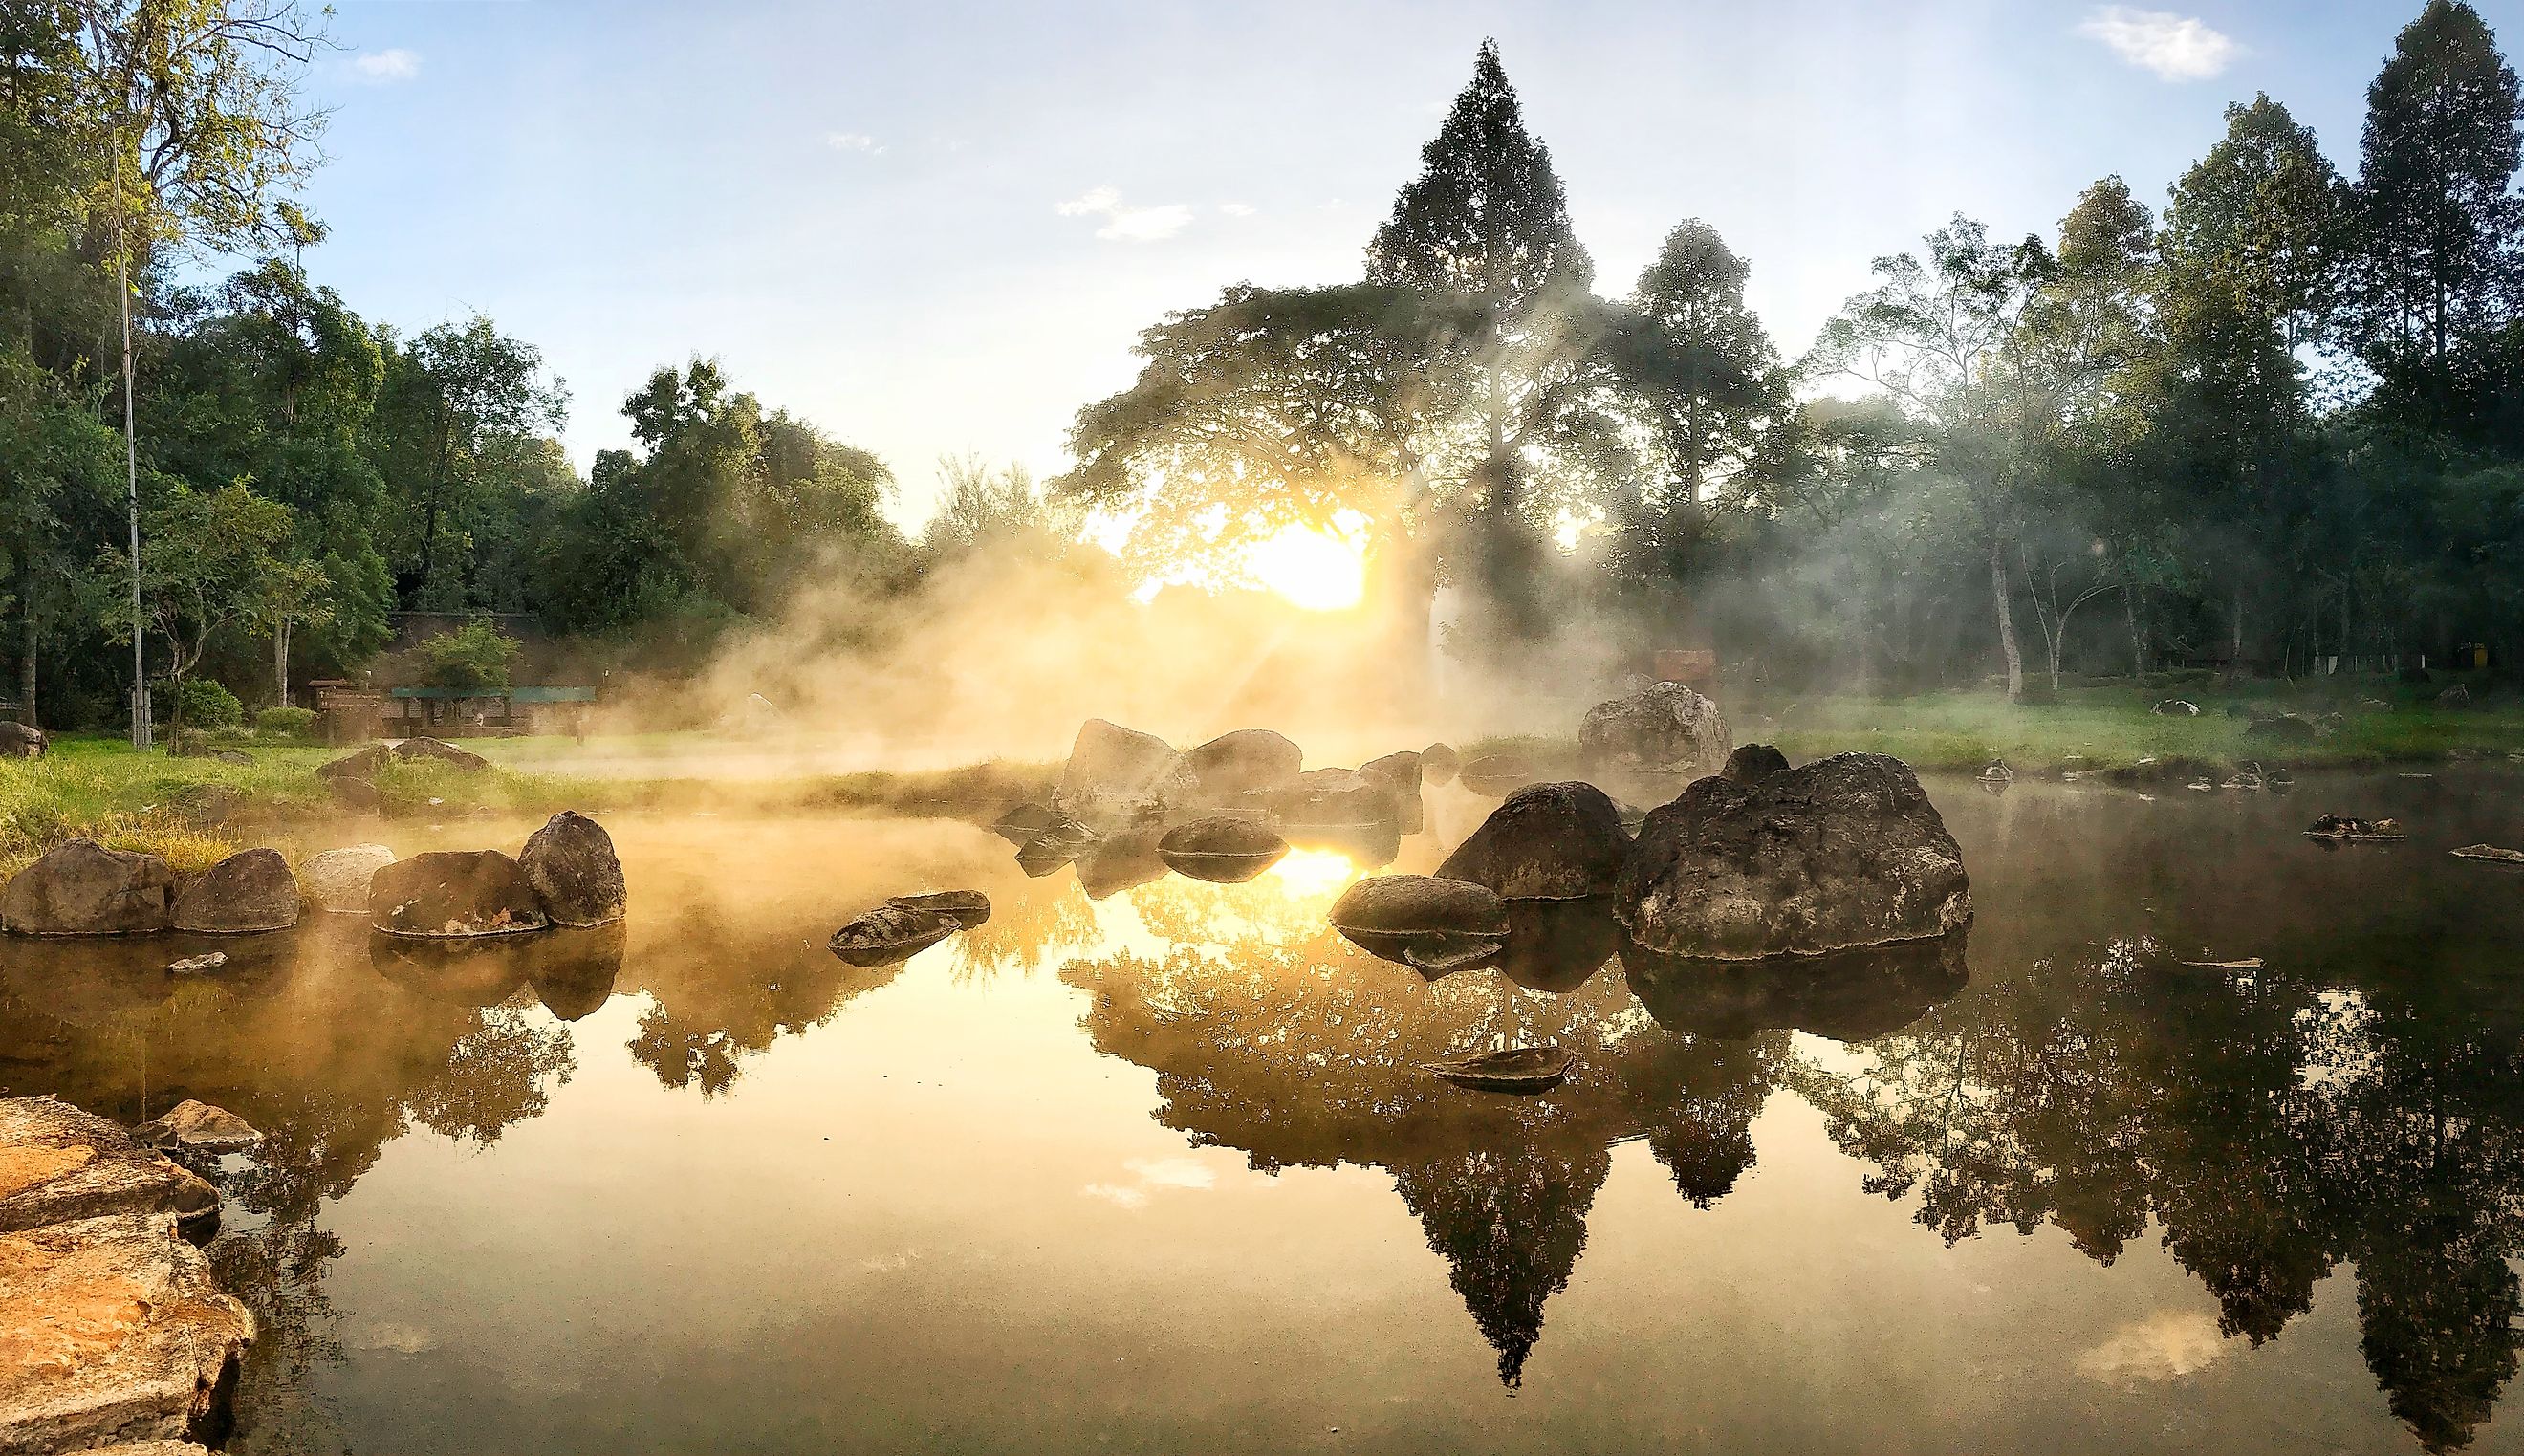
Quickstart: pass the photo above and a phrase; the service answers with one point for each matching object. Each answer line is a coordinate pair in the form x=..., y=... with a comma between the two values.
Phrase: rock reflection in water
x=1854, y=996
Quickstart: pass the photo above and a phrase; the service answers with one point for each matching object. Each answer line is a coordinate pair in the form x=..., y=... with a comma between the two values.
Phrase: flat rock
x=1545, y=842
x=1662, y=728
x=891, y=933
x=57, y=1163
x=1844, y=852
x=454, y=893
x=248, y=892
x=198, y=1127
x=84, y=889
x=336, y=881
x=571, y=864
x=114, y=1330
x=430, y=750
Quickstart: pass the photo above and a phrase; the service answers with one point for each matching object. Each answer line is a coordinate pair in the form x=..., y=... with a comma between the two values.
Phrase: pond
x=1147, y=1164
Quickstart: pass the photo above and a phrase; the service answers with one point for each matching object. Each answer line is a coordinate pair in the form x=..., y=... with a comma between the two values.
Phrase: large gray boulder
x=84, y=889
x=1844, y=852
x=1116, y=770
x=336, y=881
x=247, y=892
x=571, y=864
x=1243, y=761
x=451, y=893
x=1662, y=728
x=1545, y=842
x=21, y=741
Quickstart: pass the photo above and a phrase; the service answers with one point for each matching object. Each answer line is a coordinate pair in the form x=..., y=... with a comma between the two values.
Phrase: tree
x=209, y=560
x=2438, y=253
x=463, y=410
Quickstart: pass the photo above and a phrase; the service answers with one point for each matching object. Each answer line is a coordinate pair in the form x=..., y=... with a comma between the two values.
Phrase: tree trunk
x=2138, y=635
x=2007, y=644
x=280, y=660
x=26, y=669
x=2235, y=658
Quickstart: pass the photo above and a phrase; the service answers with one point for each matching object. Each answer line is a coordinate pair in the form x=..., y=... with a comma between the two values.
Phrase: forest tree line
x=2280, y=418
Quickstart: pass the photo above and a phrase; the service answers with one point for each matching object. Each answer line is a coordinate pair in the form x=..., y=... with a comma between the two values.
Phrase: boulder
x=571, y=864
x=84, y=889
x=1545, y=842
x=250, y=892
x=1222, y=849
x=418, y=749
x=1023, y=824
x=1114, y=770
x=1243, y=761
x=1440, y=764
x=58, y=1164
x=361, y=766
x=20, y=740
x=1753, y=762
x=1404, y=770
x=1335, y=797
x=1662, y=728
x=1844, y=852
x=966, y=907
x=198, y=1128
x=118, y=1332
x=336, y=881
x=1055, y=846
x=1387, y=915
x=451, y=893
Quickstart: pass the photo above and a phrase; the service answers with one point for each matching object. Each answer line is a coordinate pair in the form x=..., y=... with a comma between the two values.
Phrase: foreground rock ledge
x=1843, y=853
x=112, y=1331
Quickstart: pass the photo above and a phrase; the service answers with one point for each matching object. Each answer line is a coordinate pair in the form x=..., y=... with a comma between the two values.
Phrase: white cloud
x=387, y=67
x=2175, y=47
x=853, y=141
x=1237, y=208
x=1127, y=224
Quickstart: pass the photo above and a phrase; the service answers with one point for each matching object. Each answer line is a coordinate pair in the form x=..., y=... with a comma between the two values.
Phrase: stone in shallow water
x=1546, y=841
x=118, y=1332
x=1844, y=852
x=57, y=1163
x=250, y=892
x=337, y=880
x=198, y=1127
x=891, y=933
x=571, y=864
x=454, y=893
x=1223, y=849
x=1391, y=915
x=84, y=889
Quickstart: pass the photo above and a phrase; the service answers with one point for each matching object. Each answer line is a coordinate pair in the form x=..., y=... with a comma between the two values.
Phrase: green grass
x=2099, y=727
x=196, y=812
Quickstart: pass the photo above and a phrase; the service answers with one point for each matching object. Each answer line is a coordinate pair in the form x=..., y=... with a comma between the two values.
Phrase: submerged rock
x=1753, y=762
x=84, y=889
x=1243, y=761
x=418, y=749
x=336, y=881
x=1113, y=770
x=247, y=892
x=2341, y=827
x=2493, y=853
x=453, y=893
x=1223, y=849
x=1546, y=841
x=890, y=932
x=1440, y=764
x=1385, y=915
x=21, y=741
x=192, y=1127
x=1662, y=728
x=1844, y=852
x=571, y=864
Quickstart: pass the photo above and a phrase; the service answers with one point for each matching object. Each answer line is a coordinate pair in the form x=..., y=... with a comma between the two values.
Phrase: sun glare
x=1318, y=571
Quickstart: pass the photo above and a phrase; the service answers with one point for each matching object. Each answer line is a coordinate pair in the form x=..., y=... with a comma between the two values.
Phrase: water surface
x=1154, y=1169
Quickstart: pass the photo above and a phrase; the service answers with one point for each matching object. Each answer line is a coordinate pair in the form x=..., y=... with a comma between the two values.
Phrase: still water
x=1144, y=1164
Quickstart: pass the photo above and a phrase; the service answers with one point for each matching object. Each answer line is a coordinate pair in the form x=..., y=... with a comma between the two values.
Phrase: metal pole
x=132, y=481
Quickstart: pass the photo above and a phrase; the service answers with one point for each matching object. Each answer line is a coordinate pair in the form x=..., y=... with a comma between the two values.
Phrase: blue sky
x=936, y=228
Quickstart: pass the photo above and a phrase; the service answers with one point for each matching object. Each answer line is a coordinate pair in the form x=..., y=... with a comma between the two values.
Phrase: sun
x=1318, y=571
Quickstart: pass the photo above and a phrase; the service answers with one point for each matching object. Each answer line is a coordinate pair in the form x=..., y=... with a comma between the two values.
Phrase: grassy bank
x=196, y=812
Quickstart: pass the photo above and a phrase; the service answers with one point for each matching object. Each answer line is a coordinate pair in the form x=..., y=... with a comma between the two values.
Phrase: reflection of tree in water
x=2272, y=1127
x=1272, y=1035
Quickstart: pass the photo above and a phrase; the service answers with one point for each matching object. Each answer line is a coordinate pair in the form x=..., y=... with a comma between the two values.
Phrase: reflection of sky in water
x=1157, y=1172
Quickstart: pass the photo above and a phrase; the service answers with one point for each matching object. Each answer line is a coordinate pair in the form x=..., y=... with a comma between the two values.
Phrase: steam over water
x=1156, y=1171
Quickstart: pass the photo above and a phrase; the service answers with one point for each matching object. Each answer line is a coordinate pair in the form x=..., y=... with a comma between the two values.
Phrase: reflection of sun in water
x=1313, y=874
x=1318, y=571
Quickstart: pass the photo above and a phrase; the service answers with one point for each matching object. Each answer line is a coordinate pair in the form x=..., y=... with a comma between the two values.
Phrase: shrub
x=202, y=703
x=472, y=658
x=286, y=722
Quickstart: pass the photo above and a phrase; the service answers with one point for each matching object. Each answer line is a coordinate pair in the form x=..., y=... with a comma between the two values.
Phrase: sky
x=937, y=230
